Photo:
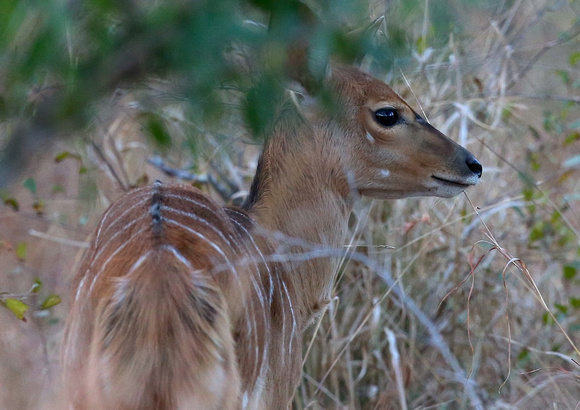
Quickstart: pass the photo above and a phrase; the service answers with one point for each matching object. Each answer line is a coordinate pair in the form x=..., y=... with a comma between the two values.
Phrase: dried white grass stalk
x=396, y=363
x=62, y=241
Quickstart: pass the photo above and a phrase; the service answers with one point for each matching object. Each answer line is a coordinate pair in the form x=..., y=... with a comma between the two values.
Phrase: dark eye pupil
x=387, y=116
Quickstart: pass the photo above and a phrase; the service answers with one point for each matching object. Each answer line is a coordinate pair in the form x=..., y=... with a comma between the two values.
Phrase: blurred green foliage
x=58, y=58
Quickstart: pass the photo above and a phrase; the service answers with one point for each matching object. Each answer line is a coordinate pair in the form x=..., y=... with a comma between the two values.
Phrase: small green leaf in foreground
x=12, y=202
x=38, y=207
x=21, y=250
x=30, y=184
x=17, y=307
x=61, y=156
x=569, y=272
x=37, y=285
x=574, y=58
x=561, y=308
x=50, y=301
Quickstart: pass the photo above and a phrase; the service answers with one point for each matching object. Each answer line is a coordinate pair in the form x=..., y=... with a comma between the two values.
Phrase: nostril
x=474, y=165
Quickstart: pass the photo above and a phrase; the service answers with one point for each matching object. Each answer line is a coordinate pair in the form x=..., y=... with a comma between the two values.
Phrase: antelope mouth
x=463, y=184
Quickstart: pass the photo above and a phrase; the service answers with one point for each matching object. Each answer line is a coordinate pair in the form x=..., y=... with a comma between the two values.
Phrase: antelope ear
x=302, y=99
x=307, y=64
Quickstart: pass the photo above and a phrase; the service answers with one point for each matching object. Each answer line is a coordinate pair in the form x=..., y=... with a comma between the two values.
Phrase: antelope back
x=150, y=326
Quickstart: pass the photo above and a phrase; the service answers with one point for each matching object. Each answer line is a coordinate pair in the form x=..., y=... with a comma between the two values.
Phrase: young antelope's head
x=389, y=149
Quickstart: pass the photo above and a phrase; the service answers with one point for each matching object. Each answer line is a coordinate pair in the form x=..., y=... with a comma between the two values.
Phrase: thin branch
x=102, y=157
x=224, y=192
x=62, y=241
x=160, y=164
x=564, y=37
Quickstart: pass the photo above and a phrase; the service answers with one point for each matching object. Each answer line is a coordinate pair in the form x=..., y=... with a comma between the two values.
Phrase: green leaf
x=421, y=45
x=561, y=308
x=528, y=193
x=12, y=202
x=564, y=76
x=38, y=206
x=569, y=272
x=506, y=114
x=50, y=301
x=21, y=251
x=574, y=58
x=30, y=184
x=61, y=156
x=17, y=307
x=575, y=303
x=547, y=319
x=37, y=285
x=572, y=137
x=534, y=161
x=537, y=231
x=156, y=128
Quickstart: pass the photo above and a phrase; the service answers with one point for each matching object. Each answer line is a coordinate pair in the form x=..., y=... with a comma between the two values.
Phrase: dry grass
x=404, y=330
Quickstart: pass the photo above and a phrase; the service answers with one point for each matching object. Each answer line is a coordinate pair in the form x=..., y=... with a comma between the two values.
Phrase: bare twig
x=103, y=158
x=224, y=192
x=62, y=241
x=160, y=164
x=564, y=37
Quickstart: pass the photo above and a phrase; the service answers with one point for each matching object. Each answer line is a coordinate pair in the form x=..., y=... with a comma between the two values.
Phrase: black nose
x=474, y=165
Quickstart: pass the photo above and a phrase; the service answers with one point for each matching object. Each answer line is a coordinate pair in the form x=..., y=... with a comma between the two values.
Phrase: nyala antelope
x=181, y=303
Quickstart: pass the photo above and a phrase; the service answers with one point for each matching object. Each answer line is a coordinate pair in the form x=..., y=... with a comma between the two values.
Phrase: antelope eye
x=387, y=117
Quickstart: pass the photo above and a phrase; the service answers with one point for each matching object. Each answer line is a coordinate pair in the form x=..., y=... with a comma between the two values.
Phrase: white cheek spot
x=384, y=173
x=370, y=138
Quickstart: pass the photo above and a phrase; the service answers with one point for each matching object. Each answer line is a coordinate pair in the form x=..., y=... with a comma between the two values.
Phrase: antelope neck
x=301, y=191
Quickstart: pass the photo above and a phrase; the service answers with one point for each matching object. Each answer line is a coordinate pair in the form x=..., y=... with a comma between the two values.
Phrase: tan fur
x=182, y=303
